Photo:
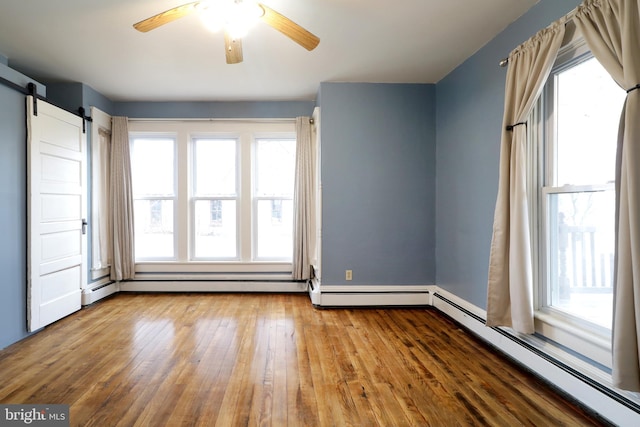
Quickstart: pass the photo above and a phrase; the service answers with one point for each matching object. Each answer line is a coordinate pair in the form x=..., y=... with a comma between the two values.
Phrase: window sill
x=584, y=342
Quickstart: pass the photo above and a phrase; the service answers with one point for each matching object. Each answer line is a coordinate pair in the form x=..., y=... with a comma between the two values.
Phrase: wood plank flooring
x=259, y=360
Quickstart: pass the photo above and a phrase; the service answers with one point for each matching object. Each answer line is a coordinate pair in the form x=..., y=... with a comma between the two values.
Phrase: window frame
x=174, y=198
x=544, y=289
x=100, y=136
x=194, y=196
x=256, y=198
x=572, y=332
x=185, y=265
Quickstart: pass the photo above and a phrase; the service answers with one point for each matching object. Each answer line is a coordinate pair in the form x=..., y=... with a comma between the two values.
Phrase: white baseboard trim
x=363, y=296
x=565, y=371
x=212, y=286
x=99, y=290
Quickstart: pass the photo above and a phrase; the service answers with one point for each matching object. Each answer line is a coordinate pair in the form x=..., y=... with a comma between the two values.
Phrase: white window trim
x=183, y=266
x=101, y=123
x=176, y=194
x=585, y=339
x=255, y=198
x=239, y=139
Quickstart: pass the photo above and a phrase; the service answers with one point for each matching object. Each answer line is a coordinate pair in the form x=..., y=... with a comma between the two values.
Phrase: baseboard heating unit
x=374, y=296
x=98, y=290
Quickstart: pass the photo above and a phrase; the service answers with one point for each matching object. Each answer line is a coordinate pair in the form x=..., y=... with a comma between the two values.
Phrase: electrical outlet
x=348, y=274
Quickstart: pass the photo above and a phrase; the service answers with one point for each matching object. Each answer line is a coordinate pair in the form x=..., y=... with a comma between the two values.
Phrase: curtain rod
x=565, y=19
x=204, y=119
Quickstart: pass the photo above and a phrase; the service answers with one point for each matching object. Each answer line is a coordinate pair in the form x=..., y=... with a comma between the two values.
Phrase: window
x=100, y=184
x=213, y=192
x=273, y=195
x=581, y=108
x=154, y=189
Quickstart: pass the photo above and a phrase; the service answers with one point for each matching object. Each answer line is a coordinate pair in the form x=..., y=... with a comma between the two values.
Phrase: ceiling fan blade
x=289, y=28
x=165, y=17
x=232, y=49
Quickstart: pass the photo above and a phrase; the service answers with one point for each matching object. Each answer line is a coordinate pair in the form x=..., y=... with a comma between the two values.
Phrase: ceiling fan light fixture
x=237, y=17
x=234, y=18
x=212, y=16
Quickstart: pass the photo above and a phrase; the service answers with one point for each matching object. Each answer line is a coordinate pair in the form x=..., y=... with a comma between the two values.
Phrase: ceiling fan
x=233, y=17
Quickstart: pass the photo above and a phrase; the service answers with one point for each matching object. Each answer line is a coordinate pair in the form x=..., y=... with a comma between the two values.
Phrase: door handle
x=84, y=226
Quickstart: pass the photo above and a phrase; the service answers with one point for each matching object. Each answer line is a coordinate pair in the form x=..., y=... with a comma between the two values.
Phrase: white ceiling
x=382, y=41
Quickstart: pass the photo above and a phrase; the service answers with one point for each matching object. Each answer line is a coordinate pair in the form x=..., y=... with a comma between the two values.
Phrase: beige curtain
x=611, y=29
x=121, y=203
x=303, y=201
x=510, y=283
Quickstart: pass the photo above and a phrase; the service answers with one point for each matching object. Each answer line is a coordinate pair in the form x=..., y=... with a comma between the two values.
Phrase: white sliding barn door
x=56, y=185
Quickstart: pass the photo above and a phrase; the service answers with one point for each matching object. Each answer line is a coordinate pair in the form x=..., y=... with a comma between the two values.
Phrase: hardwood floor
x=254, y=359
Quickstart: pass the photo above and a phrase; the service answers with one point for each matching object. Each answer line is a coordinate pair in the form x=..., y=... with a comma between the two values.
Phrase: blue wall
x=65, y=95
x=218, y=110
x=72, y=96
x=13, y=217
x=92, y=98
x=378, y=183
x=13, y=209
x=469, y=118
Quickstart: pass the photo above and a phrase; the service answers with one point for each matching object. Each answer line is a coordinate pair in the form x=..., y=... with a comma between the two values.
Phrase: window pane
x=275, y=167
x=152, y=162
x=154, y=229
x=581, y=237
x=275, y=229
x=215, y=167
x=215, y=229
x=588, y=105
